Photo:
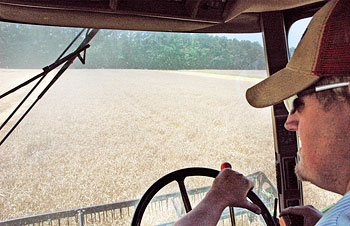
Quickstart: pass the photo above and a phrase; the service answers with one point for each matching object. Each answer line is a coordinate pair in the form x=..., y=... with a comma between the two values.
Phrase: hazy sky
x=296, y=32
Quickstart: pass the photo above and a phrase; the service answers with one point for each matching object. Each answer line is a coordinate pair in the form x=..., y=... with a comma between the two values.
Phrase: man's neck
x=347, y=188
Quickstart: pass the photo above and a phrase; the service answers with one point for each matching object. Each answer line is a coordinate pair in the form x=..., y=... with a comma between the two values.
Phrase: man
x=315, y=88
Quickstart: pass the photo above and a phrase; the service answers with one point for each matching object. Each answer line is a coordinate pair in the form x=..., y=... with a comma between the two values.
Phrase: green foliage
x=25, y=46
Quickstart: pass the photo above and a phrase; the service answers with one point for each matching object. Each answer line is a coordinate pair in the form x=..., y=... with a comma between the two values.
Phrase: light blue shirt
x=339, y=215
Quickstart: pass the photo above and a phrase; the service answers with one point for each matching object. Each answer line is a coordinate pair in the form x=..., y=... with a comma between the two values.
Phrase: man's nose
x=292, y=122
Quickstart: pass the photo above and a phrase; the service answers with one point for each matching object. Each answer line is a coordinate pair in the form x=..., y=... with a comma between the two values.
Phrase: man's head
x=322, y=52
x=321, y=112
x=324, y=131
x=335, y=96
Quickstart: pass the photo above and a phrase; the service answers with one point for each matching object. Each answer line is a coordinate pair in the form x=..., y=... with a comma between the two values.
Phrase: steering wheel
x=179, y=176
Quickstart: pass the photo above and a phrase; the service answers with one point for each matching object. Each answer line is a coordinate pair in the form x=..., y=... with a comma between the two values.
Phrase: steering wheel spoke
x=184, y=195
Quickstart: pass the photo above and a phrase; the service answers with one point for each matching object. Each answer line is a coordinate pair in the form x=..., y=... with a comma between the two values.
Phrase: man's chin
x=299, y=172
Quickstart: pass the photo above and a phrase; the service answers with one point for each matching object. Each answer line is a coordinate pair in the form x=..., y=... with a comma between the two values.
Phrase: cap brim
x=279, y=86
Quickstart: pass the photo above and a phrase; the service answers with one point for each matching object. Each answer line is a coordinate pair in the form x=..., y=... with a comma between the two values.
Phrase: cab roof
x=199, y=16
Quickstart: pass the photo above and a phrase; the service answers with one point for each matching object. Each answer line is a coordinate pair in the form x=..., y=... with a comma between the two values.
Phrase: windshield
x=145, y=104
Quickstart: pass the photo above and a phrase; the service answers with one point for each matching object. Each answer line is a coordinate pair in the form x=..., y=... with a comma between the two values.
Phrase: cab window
x=143, y=105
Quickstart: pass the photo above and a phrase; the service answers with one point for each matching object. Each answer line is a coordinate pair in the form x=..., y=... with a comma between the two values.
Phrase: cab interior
x=272, y=19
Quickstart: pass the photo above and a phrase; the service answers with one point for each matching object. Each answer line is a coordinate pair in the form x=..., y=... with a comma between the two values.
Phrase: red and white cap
x=323, y=51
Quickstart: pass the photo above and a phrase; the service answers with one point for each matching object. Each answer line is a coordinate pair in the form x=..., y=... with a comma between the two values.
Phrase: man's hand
x=230, y=188
x=311, y=215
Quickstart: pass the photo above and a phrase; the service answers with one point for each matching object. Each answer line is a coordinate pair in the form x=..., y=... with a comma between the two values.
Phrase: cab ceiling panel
x=92, y=4
x=153, y=15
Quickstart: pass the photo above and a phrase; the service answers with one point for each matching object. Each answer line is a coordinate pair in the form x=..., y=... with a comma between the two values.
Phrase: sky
x=296, y=32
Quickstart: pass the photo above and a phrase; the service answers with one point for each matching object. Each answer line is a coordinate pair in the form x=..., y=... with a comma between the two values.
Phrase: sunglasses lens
x=289, y=103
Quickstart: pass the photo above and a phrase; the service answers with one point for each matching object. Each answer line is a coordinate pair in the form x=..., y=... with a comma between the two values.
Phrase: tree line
x=30, y=46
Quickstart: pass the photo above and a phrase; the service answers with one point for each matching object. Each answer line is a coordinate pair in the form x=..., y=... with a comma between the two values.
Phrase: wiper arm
x=67, y=60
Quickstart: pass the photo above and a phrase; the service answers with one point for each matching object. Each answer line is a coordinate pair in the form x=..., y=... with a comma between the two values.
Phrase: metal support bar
x=277, y=54
x=232, y=216
x=81, y=217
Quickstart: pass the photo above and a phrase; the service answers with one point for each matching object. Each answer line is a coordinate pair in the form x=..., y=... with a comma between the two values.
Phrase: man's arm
x=207, y=212
x=230, y=188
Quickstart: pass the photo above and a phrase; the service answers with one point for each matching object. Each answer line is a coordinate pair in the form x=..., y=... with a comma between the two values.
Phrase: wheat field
x=102, y=136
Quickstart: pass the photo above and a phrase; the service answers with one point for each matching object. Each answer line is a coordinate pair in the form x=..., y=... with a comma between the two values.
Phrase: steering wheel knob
x=225, y=165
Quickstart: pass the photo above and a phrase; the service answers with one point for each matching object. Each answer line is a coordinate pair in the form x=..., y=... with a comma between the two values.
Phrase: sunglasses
x=291, y=103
